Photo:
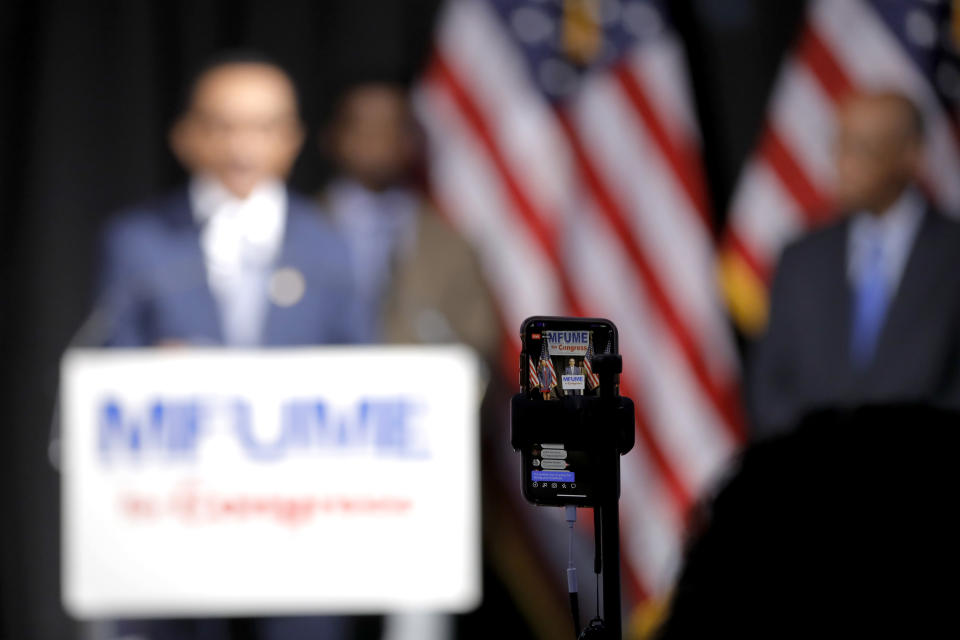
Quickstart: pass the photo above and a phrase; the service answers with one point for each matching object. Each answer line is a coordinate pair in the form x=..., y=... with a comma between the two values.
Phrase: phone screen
x=557, y=353
x=556, y=363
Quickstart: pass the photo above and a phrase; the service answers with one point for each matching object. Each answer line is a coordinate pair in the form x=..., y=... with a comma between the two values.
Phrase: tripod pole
x=609, y=495
x=610, y=538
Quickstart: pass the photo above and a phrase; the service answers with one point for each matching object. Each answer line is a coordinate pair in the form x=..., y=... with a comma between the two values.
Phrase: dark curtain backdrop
x=87, y=90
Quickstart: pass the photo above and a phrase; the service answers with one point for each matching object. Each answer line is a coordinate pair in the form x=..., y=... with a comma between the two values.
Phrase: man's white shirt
x=896, y=229
x=241, y=239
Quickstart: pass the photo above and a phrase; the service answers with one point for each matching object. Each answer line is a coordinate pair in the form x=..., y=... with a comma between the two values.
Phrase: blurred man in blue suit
x=235, y=258
x=232, y=259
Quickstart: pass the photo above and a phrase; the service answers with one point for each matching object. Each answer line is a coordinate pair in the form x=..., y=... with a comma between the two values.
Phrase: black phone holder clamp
x=602, y=426
x=599, y=424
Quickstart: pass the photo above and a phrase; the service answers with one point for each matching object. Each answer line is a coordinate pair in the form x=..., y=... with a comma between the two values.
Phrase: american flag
x=592, y=380
x=562, y=141
x=548, y=375
x=534, y=379
x=907, y=45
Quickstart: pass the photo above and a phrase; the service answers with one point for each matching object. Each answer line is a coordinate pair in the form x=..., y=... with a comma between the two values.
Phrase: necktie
x=870, y=302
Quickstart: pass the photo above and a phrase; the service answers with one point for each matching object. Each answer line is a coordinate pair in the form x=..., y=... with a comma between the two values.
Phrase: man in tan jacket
x=419, y=278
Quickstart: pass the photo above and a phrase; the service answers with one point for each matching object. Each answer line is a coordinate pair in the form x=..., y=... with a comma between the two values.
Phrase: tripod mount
x=602, y=427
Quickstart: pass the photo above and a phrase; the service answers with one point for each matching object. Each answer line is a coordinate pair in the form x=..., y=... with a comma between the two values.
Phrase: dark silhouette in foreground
x=847, y=524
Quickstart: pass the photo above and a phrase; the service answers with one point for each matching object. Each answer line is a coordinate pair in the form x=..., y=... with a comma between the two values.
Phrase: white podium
x=220, y=482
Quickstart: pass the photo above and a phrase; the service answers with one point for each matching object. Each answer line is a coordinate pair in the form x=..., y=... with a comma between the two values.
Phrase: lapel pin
x=287, y=286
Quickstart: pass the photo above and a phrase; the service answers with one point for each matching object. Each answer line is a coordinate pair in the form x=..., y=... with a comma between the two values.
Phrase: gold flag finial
x=955, y=23
x=582, y=37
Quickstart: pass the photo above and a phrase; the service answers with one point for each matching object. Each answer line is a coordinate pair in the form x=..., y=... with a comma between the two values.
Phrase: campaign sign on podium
x=219, y=482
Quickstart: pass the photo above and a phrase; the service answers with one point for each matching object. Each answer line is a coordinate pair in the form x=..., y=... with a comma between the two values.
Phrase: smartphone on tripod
x=556, y=367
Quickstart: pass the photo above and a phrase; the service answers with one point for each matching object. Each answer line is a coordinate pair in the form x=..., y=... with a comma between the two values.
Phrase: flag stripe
x=683, y=163
x=800, y=106
x=766, y=212
x=641, y=180
x=641, y=592
x=651, y=529
x=676, y=487
x=471, y=113
x=818, y=57
x=654, y=374
x=813, y=204
x=721, y=398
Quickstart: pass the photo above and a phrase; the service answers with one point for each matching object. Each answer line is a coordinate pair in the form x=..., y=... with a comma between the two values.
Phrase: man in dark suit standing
x=232, y=259
x=867, y=309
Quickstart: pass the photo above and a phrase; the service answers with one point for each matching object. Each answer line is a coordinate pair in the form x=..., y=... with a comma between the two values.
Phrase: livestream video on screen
x=560, y=363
